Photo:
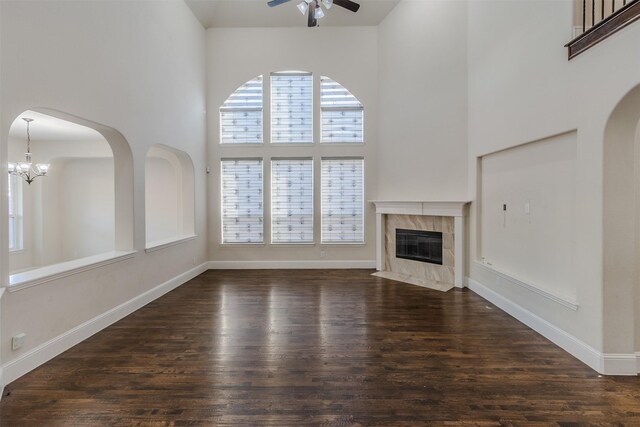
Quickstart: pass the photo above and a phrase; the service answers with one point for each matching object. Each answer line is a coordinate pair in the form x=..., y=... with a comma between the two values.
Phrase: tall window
x=241, y=115
x=292, y=201
x=291, y=107
x=294, y=174
x=342, y=114
x=15, y=213
x=242, y=216
x=342, y=200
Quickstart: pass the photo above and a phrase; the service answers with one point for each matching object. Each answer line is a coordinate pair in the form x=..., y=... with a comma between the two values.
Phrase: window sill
x=223, y=245
x=165, y=243
x=53, y=272
x=16, y=251
x=343, y=244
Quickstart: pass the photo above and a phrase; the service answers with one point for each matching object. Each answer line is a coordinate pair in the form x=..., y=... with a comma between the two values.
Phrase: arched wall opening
x=169, y=196
x=82, y=208
x=621, y=228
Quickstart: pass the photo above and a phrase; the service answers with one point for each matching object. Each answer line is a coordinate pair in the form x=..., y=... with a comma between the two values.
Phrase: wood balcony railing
x=600, y=19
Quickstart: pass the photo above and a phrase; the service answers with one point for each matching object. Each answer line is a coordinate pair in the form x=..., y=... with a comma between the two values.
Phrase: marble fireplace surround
x=447, y=217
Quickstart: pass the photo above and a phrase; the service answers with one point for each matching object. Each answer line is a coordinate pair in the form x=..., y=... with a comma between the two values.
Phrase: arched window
x=241, y=115
x=269, y=190
x=342, y=114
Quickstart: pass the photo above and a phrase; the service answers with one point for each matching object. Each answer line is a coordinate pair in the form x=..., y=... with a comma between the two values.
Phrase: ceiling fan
x=314, y=8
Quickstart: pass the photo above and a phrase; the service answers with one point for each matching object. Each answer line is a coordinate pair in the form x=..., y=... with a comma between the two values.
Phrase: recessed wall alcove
x=169, y=196
x=81, y=212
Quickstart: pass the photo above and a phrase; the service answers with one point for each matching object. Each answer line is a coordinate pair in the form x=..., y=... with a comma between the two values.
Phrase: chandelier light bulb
x=303, y=7
x=24, y=169
x=319, y=13
x=327, y=3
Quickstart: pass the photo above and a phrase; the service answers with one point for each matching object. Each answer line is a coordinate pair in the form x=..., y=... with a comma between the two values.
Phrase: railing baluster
x=601, y=10
x=593, y=13
x=613, y=6
x=584, y=15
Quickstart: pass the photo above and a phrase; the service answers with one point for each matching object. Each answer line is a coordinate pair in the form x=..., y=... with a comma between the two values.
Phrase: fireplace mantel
x=435, y=208
x=455, y=209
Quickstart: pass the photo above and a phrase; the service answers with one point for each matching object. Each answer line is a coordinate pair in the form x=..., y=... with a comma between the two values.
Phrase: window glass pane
x=342, y=114
x=242, y=217
x=241, y=115
x=342, y=200
x=15, y=212
x=292, y=201
x=11, y=182
x=12, y=237
x=291, y=107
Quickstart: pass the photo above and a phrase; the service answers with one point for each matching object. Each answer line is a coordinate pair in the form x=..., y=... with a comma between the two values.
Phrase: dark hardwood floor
x=326, y=348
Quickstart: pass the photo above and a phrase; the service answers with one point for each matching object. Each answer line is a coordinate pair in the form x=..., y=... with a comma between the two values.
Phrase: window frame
x=224, y=109
x=16, y=203
x=313, y=204
x=312, y=142
x=359, y=108
x=316, y=150
x=226, y=159
x=338, y=158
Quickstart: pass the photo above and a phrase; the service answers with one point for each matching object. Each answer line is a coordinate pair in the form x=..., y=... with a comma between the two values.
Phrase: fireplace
x=419, y=245
x=421, y=242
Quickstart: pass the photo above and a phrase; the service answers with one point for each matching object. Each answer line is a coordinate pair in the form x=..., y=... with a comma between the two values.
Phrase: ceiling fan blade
x=273, y=3
x=347, y=4
x=312, y=22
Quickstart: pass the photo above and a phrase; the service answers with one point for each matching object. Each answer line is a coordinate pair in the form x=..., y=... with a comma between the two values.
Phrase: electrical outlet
x=18, y=341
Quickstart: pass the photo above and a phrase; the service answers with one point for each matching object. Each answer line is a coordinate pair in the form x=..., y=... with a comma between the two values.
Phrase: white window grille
x=342, y=200
x=242, y=211
x=15, y=213
x=241, y=115
x=291, y=107
x=342, y=114
x=292, y=201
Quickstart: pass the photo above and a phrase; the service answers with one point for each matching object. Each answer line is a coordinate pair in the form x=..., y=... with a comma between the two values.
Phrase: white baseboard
x=48, y=350
x=296, y=265
x=607, y=364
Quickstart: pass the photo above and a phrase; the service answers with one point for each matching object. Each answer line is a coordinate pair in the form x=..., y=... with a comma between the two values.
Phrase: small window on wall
x=342, y=114
x=241, y=115
x=242, y=211
x=292, y=201
x=15, y=213
x=291, y=107
x=343, y=200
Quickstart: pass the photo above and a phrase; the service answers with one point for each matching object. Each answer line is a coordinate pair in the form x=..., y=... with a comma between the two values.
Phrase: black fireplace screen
x=424, y=246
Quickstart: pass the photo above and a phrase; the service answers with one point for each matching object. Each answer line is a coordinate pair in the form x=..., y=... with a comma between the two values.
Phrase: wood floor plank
x=322, y=348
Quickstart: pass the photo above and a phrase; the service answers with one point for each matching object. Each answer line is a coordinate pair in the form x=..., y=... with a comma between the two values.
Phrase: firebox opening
x=418, y=245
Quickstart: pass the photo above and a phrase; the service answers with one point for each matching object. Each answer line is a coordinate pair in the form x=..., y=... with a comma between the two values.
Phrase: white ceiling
x=47, y=128
x=256, y=13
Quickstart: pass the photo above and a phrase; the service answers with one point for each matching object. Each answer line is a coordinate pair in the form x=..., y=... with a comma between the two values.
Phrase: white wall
x=537, y=184
x=137, y=67
x=83, y=189
x=522, y=89
x=347, y=55
x=423, y=102
x=161, y=199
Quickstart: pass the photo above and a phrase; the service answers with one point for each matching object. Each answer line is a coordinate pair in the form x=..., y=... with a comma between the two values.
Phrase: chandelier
x=25, y=169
